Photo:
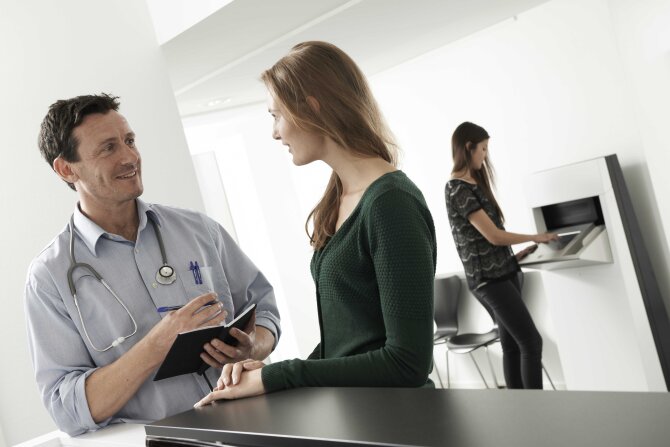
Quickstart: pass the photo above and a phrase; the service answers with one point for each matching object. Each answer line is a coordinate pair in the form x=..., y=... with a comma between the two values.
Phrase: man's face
x=108, y=172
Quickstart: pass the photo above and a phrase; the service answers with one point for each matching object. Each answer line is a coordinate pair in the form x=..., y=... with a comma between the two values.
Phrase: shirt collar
x=145, y=209
x=90, y=232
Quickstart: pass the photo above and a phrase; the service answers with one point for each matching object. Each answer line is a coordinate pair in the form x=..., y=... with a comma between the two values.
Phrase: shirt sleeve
x=401, y=239
x=247, y=283
x=60, y=358
x=462, y=199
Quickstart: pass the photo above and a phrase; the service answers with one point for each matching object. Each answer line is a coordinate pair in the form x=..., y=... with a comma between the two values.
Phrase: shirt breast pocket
x=197, y=282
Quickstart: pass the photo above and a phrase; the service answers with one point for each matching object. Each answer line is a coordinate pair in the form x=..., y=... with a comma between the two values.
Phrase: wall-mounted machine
x=612, y=327
x=582, y=235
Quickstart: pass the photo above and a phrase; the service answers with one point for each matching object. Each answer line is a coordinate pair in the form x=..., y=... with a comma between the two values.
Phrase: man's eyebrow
x=107, y=140
x=130, y=134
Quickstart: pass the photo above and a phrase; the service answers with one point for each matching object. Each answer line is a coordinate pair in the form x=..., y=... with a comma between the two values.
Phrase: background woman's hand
x=543, y=238
x=525, y=252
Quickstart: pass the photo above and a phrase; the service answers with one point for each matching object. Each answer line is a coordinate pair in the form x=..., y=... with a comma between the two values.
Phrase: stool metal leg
x=437, y=371
x=493, y=373
x=549, y=377
x=448, y=379
x=478, y=370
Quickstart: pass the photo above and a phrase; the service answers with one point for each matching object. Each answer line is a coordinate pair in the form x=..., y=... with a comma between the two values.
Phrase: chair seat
x=464, y=343
x=442, y=336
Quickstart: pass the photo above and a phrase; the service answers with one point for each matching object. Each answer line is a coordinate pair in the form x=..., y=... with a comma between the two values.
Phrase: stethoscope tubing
x=169, y=279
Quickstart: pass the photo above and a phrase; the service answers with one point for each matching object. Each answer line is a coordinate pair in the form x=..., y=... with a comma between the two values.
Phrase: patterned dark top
x=483, y=262
x=374, y=294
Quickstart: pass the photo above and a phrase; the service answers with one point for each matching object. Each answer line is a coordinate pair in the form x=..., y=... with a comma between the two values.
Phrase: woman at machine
x=491, y=268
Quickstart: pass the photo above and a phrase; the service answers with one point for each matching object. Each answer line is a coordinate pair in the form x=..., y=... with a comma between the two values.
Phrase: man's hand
x=217, y=353
x=192, y=316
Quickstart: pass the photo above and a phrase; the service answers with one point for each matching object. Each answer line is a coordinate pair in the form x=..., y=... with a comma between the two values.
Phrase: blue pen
x=168, y=308
x=171, y=308
x=195, y=269
x=198, y=276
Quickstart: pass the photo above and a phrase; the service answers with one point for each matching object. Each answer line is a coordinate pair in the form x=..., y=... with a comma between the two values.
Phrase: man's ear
x=313, y=104
x=64, y=170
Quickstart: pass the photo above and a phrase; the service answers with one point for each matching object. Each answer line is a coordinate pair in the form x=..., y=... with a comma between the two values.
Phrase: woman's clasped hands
x=241, y=379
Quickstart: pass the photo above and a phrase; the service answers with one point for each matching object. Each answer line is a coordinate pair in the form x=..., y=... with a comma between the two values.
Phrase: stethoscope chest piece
x=166, y=275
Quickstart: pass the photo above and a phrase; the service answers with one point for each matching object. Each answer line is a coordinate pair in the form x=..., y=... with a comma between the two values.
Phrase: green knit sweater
x=374, y=292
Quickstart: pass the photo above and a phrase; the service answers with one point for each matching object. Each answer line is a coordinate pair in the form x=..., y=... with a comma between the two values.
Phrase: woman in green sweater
x=373, y=236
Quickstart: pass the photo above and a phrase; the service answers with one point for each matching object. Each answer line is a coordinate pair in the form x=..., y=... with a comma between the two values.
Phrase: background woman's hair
x=465, y=139
x=347, y=113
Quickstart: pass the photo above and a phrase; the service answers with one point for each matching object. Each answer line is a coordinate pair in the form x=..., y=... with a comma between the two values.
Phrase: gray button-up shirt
x=61, y=353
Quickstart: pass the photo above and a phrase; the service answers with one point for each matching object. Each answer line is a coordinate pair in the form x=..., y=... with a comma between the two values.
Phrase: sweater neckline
x=348, y=221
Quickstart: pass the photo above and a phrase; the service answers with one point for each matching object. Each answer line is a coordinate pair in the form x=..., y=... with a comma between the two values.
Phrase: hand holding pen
x=198, y=312
x=165, y=309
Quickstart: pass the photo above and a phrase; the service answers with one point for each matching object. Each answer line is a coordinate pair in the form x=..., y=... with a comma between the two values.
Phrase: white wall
x=642, y=30
x=52, y=50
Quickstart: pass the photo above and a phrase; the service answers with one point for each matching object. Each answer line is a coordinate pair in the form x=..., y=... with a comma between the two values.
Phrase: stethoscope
x=166, y=275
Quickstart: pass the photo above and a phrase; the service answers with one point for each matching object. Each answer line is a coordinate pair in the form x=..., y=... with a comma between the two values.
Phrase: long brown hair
x=348, y=114
x=465, y=139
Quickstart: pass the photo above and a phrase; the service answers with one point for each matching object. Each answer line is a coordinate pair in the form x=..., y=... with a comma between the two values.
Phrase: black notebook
x=184, y=355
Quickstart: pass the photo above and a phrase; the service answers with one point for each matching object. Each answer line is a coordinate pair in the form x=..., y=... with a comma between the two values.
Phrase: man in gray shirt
x=93, y=294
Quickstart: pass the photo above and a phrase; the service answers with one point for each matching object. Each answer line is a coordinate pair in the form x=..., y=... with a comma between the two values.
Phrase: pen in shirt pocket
x=195, y=269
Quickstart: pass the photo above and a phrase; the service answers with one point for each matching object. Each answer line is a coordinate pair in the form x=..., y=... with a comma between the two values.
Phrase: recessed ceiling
x=216, y=64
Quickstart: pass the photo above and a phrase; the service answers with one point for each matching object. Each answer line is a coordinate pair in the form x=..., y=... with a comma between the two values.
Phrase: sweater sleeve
x=316, y=353
x=401, y=243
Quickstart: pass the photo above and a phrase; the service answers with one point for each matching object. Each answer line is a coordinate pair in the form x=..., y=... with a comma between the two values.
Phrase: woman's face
x=305, y=146
x=478, y=155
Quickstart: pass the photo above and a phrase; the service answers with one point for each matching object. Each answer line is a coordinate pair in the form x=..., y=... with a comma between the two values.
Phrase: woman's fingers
x=244, y=365
x=237, y=372
x=253, y=364
x=211, y=397
x=226, y=373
